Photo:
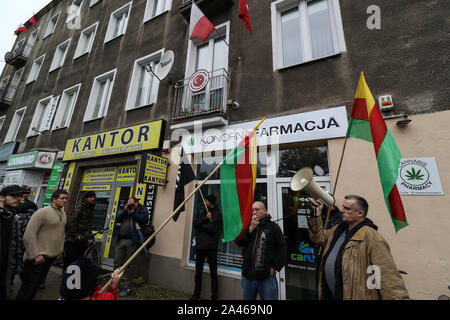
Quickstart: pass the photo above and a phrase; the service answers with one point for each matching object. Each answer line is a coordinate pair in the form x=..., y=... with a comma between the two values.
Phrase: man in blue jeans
x=264, y=253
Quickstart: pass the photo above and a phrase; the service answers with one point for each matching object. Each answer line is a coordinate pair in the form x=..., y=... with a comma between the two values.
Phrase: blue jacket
x=140, y=216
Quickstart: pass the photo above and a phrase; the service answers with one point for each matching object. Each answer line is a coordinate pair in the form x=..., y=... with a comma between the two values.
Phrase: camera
x=130, y=207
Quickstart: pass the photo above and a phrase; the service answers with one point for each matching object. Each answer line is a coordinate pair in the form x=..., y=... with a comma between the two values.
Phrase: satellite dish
x=8, y=56
x=165, y=65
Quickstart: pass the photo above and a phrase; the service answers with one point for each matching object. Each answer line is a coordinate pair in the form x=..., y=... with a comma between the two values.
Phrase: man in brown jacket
x=357, y=263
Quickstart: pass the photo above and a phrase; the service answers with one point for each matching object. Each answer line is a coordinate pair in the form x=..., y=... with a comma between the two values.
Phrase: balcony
x=19, y=56
x=209, y=7
x=6, y=95
x=208, y=105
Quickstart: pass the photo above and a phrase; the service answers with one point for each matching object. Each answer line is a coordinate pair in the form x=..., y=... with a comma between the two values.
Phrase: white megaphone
x=303, y=181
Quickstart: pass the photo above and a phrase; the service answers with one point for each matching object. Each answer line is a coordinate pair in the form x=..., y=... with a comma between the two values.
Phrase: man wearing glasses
x=10, y=197
x=44, y=242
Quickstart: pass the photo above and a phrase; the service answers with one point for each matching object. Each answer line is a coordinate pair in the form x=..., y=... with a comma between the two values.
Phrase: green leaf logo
x=413, y=175
x=191, y=141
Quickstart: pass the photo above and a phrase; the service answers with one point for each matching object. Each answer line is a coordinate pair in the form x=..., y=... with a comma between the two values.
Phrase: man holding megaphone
x=357, y=263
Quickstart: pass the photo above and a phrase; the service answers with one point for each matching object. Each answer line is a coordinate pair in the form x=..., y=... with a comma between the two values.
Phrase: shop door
x=119, y=197
x=298, y=277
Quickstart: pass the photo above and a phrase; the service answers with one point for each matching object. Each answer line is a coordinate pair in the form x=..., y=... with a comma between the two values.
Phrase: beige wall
x=422, y=249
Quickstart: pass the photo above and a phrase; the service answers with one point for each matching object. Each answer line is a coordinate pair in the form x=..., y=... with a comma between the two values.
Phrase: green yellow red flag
x=367, y=123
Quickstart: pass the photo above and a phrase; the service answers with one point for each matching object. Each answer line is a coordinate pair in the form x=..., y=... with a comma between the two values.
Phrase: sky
x=14, y=13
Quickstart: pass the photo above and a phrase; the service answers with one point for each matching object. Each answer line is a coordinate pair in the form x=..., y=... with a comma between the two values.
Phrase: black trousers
x=73, y=251
x=211, y=257
x=32, y=276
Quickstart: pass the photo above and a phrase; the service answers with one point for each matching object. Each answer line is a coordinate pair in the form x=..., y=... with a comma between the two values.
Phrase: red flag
x=199, y=27
x=20, y=29
x=33, y=21
x=244, y=14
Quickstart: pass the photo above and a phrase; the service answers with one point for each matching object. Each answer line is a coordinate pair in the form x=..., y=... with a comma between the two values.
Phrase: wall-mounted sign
x=198, y=80
x=141, y=137
x=97, y=175
x=419, y=176
x=35, y=159
x=316, y=125
x=52, y=183
x=126, y=173
x=153, y=170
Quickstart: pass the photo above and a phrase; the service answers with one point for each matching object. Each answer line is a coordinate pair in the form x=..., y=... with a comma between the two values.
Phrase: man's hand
x=39, y=260
x=116, y=276
x=317, y=208
x=253, y=224
x=209, y=215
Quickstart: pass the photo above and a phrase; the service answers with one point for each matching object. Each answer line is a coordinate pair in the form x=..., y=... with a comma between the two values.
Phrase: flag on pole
x=185, y=175
x=20, y=29
x=367, y=123
x=244, y=14
x=237, y=186
x=33, y=21
x=199, y=27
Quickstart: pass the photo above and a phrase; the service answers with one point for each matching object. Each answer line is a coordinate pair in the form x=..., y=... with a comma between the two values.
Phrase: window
x=2, y=121
x=144, y=85
x=60, y=55
x=66, y=107
x=51, y=26
x=30, y=43
x=15, y=125
x=14, y=84
x=74, y=10
x=156, y=7
x=304, y=31
x=86, y=41
x=211, y=56
x=100, y=95
x=4, y=87
x=118, y=22
x=93, y=2
x=43, y=116
x=37, y=64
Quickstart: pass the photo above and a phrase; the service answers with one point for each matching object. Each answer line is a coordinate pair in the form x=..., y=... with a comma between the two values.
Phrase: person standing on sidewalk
x=208, y=225
x=44, y=242
x=78, y=228
x=9, y=200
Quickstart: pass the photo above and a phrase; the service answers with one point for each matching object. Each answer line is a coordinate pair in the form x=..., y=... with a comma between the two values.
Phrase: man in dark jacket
x=130, y=236
x=264, y=253
x=78, y=228
x=9, y=200
x=208, y=225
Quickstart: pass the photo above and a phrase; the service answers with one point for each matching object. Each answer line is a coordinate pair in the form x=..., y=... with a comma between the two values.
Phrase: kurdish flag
x=367, y=123
x=237, y=186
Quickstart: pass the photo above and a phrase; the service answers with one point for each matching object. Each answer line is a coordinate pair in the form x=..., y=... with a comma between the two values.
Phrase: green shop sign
x=24, y=160
x=52, y=183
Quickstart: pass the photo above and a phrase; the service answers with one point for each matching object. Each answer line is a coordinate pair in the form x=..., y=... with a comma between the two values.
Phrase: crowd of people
x=33, y=239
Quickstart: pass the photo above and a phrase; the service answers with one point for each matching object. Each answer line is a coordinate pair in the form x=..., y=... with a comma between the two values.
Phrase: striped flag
x=367, y=123
x=199, y=26
x=184, y=176
x=237, y=186
x=244, y=14
x=20, y=29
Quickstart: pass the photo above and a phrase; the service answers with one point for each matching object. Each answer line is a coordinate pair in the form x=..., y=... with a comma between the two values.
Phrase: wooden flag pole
x=125, y=265
x=204, y=202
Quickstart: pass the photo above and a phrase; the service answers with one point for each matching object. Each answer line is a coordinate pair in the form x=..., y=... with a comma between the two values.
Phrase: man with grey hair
x=354, y=255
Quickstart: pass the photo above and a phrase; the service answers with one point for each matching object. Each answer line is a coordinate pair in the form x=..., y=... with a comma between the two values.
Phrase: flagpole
x=125, y=265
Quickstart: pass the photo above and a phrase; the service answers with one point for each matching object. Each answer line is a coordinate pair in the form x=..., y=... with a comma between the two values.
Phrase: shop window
x=86, y=41
x=60, y=55
x=154, y=8
x=100, y=95
x=303, y=31
x=144, y=85
x=15, y=125
x=66, y=107
x=51, y=26
x=292, y=160
x=118, y=22
x=35, y=69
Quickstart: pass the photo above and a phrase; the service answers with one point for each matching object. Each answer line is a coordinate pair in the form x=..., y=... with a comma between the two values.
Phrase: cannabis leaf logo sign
x=413, y=175
x=191, y=141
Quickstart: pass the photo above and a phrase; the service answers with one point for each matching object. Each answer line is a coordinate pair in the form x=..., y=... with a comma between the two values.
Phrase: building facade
x=81, y=88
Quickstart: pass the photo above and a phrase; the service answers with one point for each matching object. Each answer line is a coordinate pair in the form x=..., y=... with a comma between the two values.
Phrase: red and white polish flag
x=20, y=29
x=199, y=27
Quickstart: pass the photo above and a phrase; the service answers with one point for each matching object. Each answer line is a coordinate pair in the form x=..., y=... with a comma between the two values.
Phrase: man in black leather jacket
x=264, y=253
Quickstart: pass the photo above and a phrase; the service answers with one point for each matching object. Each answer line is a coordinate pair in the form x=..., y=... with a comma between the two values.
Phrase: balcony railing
x=212, y=99
x=19, y=56
x=6, y=95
